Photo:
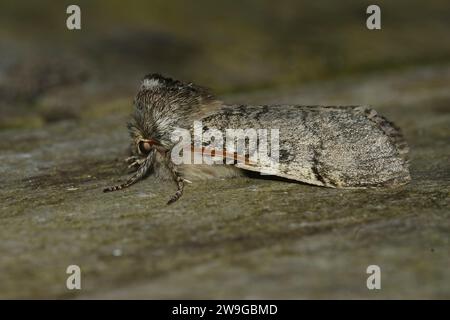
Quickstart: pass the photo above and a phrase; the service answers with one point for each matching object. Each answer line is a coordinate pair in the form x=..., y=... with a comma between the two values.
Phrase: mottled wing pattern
x=326, y=146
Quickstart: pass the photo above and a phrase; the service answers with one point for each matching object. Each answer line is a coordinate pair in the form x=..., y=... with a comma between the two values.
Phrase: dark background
x=229, y=46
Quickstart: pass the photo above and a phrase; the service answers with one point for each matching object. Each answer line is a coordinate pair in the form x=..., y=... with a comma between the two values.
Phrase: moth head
x=144, y=146
x=147, y=134
x=161, y=106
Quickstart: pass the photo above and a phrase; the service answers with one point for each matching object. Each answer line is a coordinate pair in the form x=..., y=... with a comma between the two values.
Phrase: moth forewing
x=325, y=146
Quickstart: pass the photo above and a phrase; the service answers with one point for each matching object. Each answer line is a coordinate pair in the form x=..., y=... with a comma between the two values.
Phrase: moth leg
x=136, y=163
x=178, y=180
x=141, y=173
x=134, y=160
x=131, y=159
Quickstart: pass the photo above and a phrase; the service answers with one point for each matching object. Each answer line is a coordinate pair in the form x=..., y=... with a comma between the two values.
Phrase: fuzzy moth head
x=160, y=106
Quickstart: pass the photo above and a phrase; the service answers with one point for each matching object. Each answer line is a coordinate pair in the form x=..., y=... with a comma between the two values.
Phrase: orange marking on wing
x=225, y=155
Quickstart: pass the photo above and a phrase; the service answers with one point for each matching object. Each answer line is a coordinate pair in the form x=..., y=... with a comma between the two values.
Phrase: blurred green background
x=236, y=45
x=229, y=46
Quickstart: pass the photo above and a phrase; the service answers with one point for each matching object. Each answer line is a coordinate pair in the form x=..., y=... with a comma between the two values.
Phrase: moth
x=329, y=146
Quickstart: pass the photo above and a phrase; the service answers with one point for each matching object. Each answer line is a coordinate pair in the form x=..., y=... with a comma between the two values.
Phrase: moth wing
x=300, y=172
x=345, y=147
x=303, y=177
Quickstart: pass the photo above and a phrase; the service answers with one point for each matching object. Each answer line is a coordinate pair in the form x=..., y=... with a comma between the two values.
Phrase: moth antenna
x=138, y=175
x=178, y=180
